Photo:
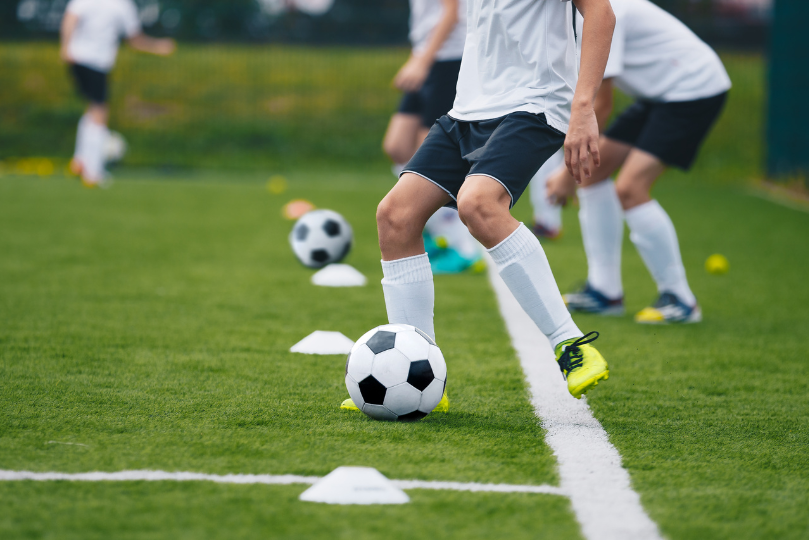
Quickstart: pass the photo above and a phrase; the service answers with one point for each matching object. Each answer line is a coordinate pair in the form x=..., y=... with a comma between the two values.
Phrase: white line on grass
x=590, y=468
x=285, y=479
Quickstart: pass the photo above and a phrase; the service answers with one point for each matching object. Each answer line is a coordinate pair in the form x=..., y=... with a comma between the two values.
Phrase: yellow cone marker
x=277, y=185
x=717, y=264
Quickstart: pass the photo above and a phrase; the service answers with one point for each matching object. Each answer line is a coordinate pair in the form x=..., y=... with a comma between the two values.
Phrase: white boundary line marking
x=285, y=479
x=606, y=506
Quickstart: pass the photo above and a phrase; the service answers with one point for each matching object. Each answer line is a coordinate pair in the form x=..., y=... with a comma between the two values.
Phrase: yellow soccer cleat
x=669, y=309
x=443, y=405
x=581, y=364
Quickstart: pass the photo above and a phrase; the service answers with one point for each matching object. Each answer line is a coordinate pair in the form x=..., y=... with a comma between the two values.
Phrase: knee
x=629, y=194
x=391, y=218
x=475, y=211
x=397, y=152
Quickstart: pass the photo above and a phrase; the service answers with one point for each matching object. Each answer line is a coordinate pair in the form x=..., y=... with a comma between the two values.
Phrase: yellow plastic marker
x=717, y=264
x=277, y=185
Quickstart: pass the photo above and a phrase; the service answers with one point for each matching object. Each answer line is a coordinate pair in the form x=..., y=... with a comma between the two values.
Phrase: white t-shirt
x=101, y=25
x=520, y=55
x=424, y=15
x=654, y=56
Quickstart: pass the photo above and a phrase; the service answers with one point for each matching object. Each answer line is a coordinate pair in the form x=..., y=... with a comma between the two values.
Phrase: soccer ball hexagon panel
x=321, y=237
x=396, y=372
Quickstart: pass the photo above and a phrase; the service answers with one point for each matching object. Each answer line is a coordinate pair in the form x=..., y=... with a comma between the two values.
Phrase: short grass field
x=150, y=323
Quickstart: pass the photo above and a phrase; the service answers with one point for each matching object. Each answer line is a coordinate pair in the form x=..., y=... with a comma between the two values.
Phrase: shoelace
x=572, y=357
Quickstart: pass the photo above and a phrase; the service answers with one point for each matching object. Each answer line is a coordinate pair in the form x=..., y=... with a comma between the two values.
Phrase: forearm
x=66, y=30
x=442, y=31
x=150, y=45
x=596, y=38
x=603, y=104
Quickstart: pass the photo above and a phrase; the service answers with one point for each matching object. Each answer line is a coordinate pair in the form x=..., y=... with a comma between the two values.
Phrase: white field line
x=606, y=506
x=286, y=479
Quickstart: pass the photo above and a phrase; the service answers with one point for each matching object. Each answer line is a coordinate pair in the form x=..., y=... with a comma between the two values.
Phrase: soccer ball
x=396, y=372
x=114, y=147
x=321, y=237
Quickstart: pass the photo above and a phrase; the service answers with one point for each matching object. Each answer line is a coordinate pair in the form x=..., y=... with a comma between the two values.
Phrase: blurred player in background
x=517, y=95
x=90, y=32
x=429, y=79
x=681, y=87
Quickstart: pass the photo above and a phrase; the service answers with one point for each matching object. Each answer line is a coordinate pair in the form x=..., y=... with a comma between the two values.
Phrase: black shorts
x=509, y=149
x=672, y=132
x=437, y=94
x=90, y=83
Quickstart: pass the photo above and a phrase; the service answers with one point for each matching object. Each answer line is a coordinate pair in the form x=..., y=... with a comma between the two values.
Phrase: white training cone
x=355, y=485
x=320, y=342
x=339, y=275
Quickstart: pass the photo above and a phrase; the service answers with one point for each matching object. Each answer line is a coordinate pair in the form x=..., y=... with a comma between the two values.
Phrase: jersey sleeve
x=130, y=22
x=615, y=62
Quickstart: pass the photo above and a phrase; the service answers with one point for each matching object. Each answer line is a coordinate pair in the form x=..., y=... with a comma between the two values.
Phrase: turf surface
x=151, y=323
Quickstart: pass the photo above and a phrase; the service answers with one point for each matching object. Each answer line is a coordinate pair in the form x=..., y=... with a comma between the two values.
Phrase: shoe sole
x=694, y=318
x=590, y=384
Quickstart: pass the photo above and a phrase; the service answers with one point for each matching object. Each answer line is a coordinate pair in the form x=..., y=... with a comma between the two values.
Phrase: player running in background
x=515, y=101
x=428, y=79
x=91, y=30
x=681, y=86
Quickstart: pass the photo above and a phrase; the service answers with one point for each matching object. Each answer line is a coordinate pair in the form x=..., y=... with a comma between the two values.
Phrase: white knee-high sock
x=95, y=139
x=447, y=224
x=409, y=292
x=524, y=267
x=653, y=234
x=81, y=138
x=546, y=213
x=602, y=229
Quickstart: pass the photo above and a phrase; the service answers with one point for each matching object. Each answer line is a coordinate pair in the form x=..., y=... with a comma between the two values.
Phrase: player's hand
x=412, y=75
x=560, y=187
x=581, y=145
x=65, y=55
x=165, y=47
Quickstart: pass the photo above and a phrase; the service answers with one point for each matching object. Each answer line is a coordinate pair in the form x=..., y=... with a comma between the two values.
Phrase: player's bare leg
x=403, y=137
x=408, y=281
x=483, y=204
x=88, y=160
x=654, y=236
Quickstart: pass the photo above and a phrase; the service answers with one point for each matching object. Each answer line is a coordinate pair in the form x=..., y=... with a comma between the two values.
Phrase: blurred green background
x=274, y=107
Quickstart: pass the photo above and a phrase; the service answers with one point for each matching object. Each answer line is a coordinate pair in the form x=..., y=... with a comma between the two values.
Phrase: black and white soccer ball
x=321, y=237
x=396, y=372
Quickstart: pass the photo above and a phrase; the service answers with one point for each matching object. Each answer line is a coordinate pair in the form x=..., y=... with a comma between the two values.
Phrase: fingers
x=595, y=153
x=569, y=160
x=584, y=164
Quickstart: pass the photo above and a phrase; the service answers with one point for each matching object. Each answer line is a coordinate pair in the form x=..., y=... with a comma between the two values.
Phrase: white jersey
x=654, y=56
x=520, y=55
x=424, y=16
x=101, y=25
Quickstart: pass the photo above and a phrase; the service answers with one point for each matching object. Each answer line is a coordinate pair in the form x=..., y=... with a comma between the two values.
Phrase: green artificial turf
x=151, y=323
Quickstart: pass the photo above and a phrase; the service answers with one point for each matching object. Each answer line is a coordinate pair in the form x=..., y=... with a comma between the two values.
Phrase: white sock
x=547, y=214
x=524, y=267
x=81, y=139
x=409, y=292
x=397, y=169
x=652, y=232
x=95, y=139
x=602, y=229
x=446, y=223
